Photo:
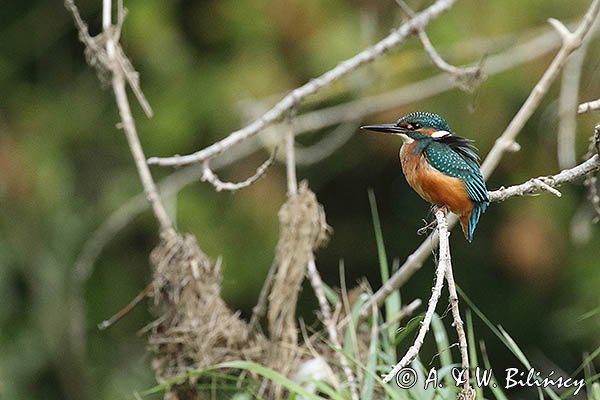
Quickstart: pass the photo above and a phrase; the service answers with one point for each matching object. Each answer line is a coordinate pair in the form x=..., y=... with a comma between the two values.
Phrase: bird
x=442, y=167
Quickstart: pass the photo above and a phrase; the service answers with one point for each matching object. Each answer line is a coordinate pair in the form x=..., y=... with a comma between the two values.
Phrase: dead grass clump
x=194, y=327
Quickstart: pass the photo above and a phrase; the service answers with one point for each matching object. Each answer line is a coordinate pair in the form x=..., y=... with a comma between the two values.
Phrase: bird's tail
x=469, y=222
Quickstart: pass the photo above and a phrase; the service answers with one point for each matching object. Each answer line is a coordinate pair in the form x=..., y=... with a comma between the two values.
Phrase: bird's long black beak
x=390, y=129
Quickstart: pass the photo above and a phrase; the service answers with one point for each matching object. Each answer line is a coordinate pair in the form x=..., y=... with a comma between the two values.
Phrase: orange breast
x=432, y=185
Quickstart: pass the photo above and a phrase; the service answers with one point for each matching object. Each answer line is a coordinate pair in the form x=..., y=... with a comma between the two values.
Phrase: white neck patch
x=440, y=134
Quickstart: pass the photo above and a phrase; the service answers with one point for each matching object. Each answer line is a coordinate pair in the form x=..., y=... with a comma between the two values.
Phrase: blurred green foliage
x=64, y=168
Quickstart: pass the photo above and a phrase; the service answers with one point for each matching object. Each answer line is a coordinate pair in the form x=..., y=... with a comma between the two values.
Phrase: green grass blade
x=494, y=386
x=589, y=314
x=332, y=297
x=514, y=348
x=368, y=388
x=443, y=346
x=587, y=360
x=473, y=352
x=389, y=389
x=412, y=325
x=250, y=366
x=595, y=391
x=327, y=390
x=350, y=334
x=392, y=303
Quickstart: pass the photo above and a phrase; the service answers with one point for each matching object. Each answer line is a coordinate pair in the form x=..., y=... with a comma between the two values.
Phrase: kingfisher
x=440, y=166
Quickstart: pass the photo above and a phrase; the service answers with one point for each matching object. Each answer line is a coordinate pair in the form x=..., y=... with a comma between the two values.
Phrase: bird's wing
x=461, y=164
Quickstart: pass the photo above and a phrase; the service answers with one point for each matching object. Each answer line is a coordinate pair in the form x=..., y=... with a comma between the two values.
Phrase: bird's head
x=414, y=127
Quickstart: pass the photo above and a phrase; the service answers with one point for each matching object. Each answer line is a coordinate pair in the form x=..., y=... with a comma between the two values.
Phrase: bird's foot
x=435, y=208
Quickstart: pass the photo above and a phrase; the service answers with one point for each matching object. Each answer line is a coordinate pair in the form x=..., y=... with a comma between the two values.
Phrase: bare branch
x=290, y=157
x=317, y=284
x=112, y=59
x=418, y=91
x=260, y=309
x=146, y=292
x=571, y=41
x=415, y=261
x=548, y=183
x=520, y=54
x=209, y=176
x=404, y=312
x=507, y=140
x=460, y=331
x=467, y=77
x=138, y=154
x=589, y=106
x=288, y=102
x=436, y=291
x=567, y=108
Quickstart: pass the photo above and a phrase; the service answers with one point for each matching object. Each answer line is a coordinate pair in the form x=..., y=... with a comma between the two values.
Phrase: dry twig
x=436, y=291
x=106, y=54
x=209, y=176
x=350, y=111
x=570, y=42
x=547, y=183
x=291, y=100
x=404, y=312
x=328, y=321
x=460, y=331
x=467, y=78
x=567, y=113
x=588, y=106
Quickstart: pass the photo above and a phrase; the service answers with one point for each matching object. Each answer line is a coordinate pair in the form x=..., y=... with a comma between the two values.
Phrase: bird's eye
x=416, y=126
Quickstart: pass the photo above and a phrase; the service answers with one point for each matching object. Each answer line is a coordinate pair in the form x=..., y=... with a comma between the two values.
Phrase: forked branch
x=297, y=95
x=436, y=291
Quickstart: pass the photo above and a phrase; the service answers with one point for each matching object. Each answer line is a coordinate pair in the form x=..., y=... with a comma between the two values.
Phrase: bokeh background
x=207, y=67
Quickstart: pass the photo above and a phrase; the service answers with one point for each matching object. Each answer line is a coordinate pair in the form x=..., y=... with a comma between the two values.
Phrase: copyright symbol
x=406, y=378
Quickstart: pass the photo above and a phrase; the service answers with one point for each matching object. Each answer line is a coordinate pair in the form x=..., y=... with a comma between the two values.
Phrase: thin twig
x=547, y=183
x=506, y=141
x=570, y=43
x=112, y=59
x=290, y=157
x=568, y=100
x=260, y=308
x=292, y=99
x=138, y=154
x=460, y=331
x=436, y=291
x=107, y=323
x=354, y=110
x=567, y=104
x=414, y=262
x=209, y=176
x=404, y=312
x=530, y=50
x=588, y=106
x=317, y=284
x=466, y=77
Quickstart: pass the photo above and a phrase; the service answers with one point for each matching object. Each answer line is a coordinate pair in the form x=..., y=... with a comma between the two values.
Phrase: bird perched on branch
x=440, y=166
